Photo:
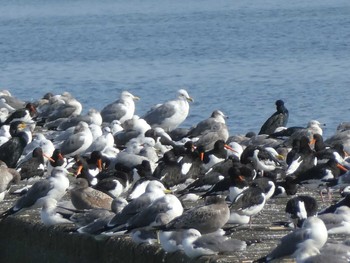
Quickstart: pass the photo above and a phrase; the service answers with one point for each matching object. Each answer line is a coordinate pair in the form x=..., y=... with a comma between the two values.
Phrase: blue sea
x=238, y=56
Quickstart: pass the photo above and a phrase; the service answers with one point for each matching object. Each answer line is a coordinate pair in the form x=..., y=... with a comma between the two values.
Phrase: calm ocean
x=238, y=56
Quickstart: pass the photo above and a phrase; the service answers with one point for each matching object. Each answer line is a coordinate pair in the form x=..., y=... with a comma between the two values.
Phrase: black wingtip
x=7, y=213
x=261, y=260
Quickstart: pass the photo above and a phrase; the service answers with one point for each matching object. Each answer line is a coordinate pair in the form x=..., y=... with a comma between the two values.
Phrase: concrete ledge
x=30, y=241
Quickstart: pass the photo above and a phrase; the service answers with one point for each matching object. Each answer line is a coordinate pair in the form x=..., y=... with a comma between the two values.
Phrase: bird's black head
x=279, y=103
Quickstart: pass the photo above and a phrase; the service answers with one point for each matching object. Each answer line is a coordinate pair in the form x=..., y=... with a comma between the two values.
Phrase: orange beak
x=241, y=178
x=341, y=167
x=229, y=148
x=201, y=155
x=312, y=141
x=48, y=157
x=80, y=167
x=32, y=109
x=99, y=164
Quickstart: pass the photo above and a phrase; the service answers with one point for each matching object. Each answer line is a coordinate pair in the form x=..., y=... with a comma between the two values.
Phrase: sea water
x=238, y=56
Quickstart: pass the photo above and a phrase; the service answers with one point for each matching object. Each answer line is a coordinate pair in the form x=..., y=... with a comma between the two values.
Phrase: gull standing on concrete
x=93, y=116
x=8, y=176
x=49, y=216
x=170, y=114
x=169, y=206
x=53, y=187
x=78, y=142
x=123, y=109
x=206, y=218
x=337, y=222
x=313, y=229
x=195, y=245
x=85, y=197
x=207, y=124
x=154, y=191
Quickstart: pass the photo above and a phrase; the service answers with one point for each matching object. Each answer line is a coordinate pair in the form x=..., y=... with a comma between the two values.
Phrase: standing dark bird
x=267, y=185
x=278, y=119
x=190, y=161
x=214, y=156
x=57, y=160
x=11, y=151
x=169, y=170
x=300, y=208
x=205, y=181
x=303, y=160
x=26, y=114
x=249, y=202
x=34, y=166
x=83, y=171
x=233, y=184
x=286, y=187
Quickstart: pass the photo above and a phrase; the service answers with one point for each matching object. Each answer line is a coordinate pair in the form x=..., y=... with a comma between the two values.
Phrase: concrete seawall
x=23, y=238
x=29, y=241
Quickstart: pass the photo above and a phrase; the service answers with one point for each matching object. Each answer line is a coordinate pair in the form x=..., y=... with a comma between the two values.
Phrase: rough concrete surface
x=23, y=238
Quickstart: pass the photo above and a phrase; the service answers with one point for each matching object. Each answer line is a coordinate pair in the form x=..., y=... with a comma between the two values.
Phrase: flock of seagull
x=111, y=172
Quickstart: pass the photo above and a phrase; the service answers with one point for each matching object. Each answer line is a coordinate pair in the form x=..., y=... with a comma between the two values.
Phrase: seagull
x=206, y=125
x=85, y=197
x=170, y=114
x=195, y=245
x=154, y=191
x=168, y=205
x=330, y=252
x=49, y=216
x=53, y=187
x=123, y=109
x=11, y=101
x=313, y=127
x=39, y=140
x=218, y=131
x=171, y=241
x=8, y=176
x=337, y=222
x=206, y=218
x=312, y=229
x=78, y=142
x=62, y=106
x=93, y=116
x=93, y=221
